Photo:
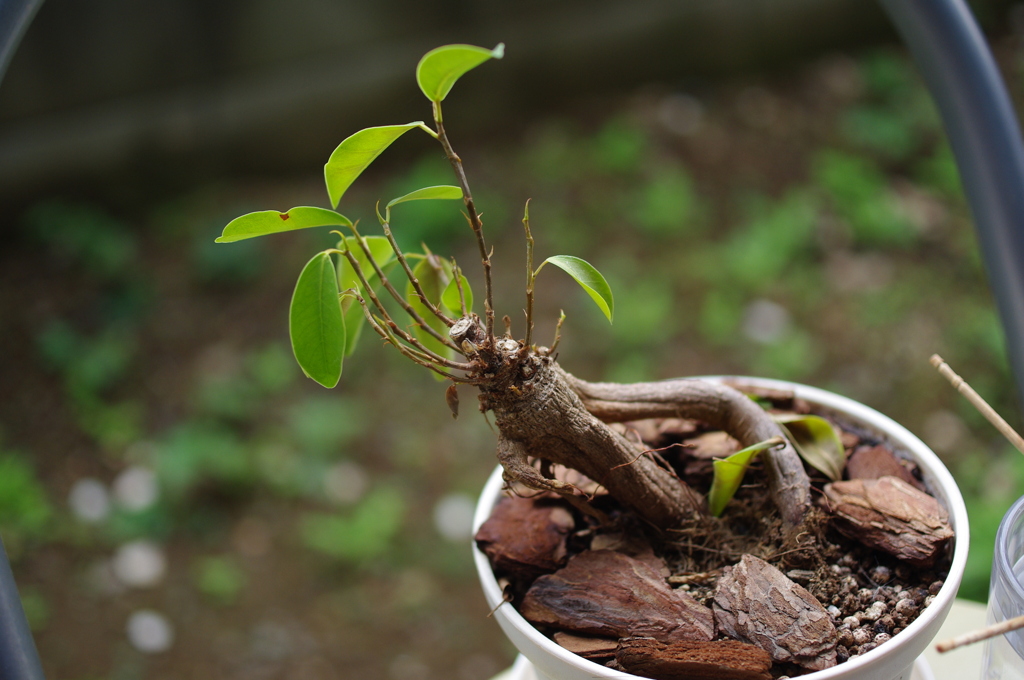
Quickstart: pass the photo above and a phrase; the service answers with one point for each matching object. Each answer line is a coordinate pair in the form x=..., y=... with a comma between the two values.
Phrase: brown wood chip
x=874, y=462
x=608, y=594
x=718, y=660
x=711, y=445
x=849, y=439
x=756, y=603
x=675, y=427
x=645, y=430
x=890, y=515
x=634, y=546
x=587, y=647
x=524, y=538
x=656, y=431
x=583, y=483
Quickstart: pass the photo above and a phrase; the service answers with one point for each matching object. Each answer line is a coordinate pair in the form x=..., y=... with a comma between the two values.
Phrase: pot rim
x=937, y=477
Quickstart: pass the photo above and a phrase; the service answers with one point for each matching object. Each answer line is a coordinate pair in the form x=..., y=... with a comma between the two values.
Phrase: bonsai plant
x=608, y=496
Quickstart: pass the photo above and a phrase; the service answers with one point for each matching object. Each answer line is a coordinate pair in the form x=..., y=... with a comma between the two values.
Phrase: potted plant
x=896, y=659
x=620, y=503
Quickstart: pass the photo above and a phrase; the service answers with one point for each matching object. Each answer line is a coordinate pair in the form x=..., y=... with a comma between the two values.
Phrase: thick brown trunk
x=546, y=420
x=555, y=417
x=714, y=404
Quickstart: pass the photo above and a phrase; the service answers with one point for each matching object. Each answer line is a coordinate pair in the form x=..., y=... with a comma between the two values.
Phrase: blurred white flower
x=89, y=500
x=136, y=488
x=150, y=632
x=139, y=564
x=453, y=517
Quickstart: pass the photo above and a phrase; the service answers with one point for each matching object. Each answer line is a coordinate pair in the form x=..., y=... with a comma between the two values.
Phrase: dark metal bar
x=958, y=68
x=15, y=16
x=19, y=659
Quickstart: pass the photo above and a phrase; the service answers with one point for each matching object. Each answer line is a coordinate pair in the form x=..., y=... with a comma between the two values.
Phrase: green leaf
x=315, y=321
x=439, y=192
x=273, y=222
x=354, y=322
x=729, y=474
x=450, y=296
x=441, y=67
x=355, y=153
x=817, y=442
x=589, y=278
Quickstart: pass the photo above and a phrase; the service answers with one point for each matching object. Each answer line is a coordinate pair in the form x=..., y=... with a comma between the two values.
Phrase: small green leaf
x=354, y=322
x=817, y=442
x=450, y=296
x=315, y=321
x=441, y=67
x=729, y=474
x=355, y=153
x=272, y=222
x=439, y=192
x=589, y=278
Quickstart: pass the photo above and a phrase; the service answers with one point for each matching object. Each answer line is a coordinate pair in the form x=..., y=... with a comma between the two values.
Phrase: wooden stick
x=978, y=403
x=982, y=634
x=1004, y=428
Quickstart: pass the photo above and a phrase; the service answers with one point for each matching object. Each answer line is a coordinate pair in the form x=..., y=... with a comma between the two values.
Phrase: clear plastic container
x=1004, y=654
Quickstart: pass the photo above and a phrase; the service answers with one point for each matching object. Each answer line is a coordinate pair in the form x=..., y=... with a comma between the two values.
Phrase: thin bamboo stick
x=982, y=634
x=978, y=403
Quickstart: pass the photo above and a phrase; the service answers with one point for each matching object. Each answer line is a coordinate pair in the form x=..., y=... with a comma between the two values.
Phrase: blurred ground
x=180, y=502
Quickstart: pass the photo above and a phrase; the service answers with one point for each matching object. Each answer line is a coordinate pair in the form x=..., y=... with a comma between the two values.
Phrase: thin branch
x=437, y=358
x=347, y=254
x=444, y=340
x=392, y=340
x=558, y=332
x=530, y=276
x=472, y=216
x=426, y=352
x=990, y=413
x=400, y=256
x=413, y=352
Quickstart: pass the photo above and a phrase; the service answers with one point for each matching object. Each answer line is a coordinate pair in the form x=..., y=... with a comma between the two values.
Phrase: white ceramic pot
x=894, y=660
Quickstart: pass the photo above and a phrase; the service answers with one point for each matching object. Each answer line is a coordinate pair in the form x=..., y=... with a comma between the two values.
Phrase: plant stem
x=990, y=414
x=389, y=322
x=400, y=256
x=530, y=275
x=415, y=357
x=558, y=333
x=398, y=298
x=472, y=216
